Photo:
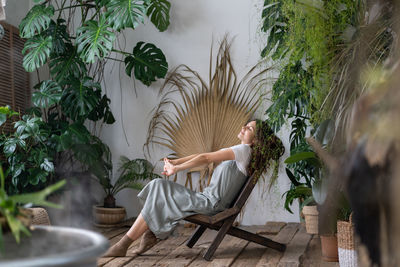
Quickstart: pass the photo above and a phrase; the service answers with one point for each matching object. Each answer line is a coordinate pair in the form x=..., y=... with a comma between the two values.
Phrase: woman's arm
x=181, y=160
x=198, y=160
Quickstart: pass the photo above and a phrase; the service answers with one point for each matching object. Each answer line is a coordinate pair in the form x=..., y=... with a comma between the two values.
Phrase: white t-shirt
x=242, y=156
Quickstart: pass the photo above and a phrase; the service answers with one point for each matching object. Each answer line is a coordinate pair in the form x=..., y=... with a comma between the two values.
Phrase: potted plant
x=54, y=136
x=347, y=251
x=132, y=172
x=310, y=192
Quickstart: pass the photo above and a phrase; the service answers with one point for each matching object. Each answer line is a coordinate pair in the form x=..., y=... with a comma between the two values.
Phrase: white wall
x=194, y=24
x=16, y=11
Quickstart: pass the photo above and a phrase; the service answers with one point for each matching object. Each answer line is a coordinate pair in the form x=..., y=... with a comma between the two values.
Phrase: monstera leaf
x=275, y=24
x=123, y=14
x=80, y=97
x=67, y=65
x=148, y=63
x=49, y=93
x=39, y=48
x=158, y=12
x=37, y=20
x=61, y=39
x=94, y=40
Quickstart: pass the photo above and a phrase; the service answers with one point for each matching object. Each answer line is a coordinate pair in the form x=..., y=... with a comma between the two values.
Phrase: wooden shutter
x=14, y=80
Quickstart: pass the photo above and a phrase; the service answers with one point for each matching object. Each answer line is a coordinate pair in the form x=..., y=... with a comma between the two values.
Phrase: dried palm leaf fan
x=209, y=116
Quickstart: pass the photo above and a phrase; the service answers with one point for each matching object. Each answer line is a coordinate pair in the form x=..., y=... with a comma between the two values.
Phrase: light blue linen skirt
x=166, y=202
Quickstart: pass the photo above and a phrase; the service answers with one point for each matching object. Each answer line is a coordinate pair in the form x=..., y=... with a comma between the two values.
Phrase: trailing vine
x=319, y=45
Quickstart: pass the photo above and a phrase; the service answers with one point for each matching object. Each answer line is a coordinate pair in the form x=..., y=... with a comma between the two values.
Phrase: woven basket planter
x=346, y=244
x=108, y=216
x=39, y=216
x=311, y=218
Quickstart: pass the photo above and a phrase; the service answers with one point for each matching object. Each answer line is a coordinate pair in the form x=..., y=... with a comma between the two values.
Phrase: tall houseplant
x=75, y=39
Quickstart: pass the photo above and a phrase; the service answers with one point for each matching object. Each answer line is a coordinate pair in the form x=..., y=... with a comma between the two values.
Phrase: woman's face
x=247, y=133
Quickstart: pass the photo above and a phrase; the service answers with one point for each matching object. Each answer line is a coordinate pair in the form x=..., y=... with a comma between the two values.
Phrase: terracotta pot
x=311, y=217
x=329, y=248
x=108, y=216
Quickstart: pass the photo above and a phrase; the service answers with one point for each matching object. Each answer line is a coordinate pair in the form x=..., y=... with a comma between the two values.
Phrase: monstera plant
x=74, y=39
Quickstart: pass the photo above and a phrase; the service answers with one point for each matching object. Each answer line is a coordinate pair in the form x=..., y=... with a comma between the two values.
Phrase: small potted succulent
x=132, y=173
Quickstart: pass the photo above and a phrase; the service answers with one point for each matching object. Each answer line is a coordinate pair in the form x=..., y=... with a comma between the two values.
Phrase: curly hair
x=266, y=150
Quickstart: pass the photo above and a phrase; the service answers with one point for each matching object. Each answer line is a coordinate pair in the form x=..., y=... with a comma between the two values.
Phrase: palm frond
x=195, y=116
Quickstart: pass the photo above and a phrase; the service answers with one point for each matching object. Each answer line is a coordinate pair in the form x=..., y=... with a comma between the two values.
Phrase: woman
x=166, y=202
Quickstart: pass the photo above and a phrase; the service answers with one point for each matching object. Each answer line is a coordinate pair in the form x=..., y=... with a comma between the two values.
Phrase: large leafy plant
x=89, y=37
x=316, y=42
x=131, y=175
x=75, y=39
x=304, y=168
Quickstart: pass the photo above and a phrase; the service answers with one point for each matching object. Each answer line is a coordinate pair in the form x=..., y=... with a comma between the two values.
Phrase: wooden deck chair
x=223, y=223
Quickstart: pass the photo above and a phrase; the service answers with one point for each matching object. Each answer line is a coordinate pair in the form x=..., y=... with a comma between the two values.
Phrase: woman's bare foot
x=148, y=241
x=120, y=248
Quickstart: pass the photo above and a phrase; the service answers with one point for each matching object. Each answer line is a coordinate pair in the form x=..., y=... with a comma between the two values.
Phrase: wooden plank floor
x=302, y=249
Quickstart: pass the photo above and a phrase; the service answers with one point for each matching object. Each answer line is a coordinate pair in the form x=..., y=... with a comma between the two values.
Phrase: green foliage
x=6, y=112
x=94, y=40
x=303, y=170
x=48, y=93
x=132, y=173
x=305, y=36
x=67, y=65
x=308, y=34
x=9, y=207
x=59, y=33
x=36, y=50
x=290, y=96
x=54, y=129
x=148, y=62
x=37, y=20
x=158, y=12
x=29, y=161
x=275, y=24
x=80, y=97
x=49, y=41
x=123, y=14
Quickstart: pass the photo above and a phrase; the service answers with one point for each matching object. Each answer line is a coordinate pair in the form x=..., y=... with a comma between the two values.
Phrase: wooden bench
x=223, y=223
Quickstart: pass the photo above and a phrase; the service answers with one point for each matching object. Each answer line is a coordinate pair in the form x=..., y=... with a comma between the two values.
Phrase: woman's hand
x=172, y=161
x=169, y=168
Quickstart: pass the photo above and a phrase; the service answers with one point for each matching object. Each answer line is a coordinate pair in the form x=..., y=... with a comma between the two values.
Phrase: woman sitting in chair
x=166, y=202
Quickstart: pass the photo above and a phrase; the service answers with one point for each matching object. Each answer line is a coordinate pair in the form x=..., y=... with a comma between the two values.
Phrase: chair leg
x=196, y=235
x=218, y=239
x=256, y=239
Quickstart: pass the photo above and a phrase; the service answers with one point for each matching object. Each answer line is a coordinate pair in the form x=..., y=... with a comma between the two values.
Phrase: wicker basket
x=39, y=216
x=346, y=243
x=311, y=217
